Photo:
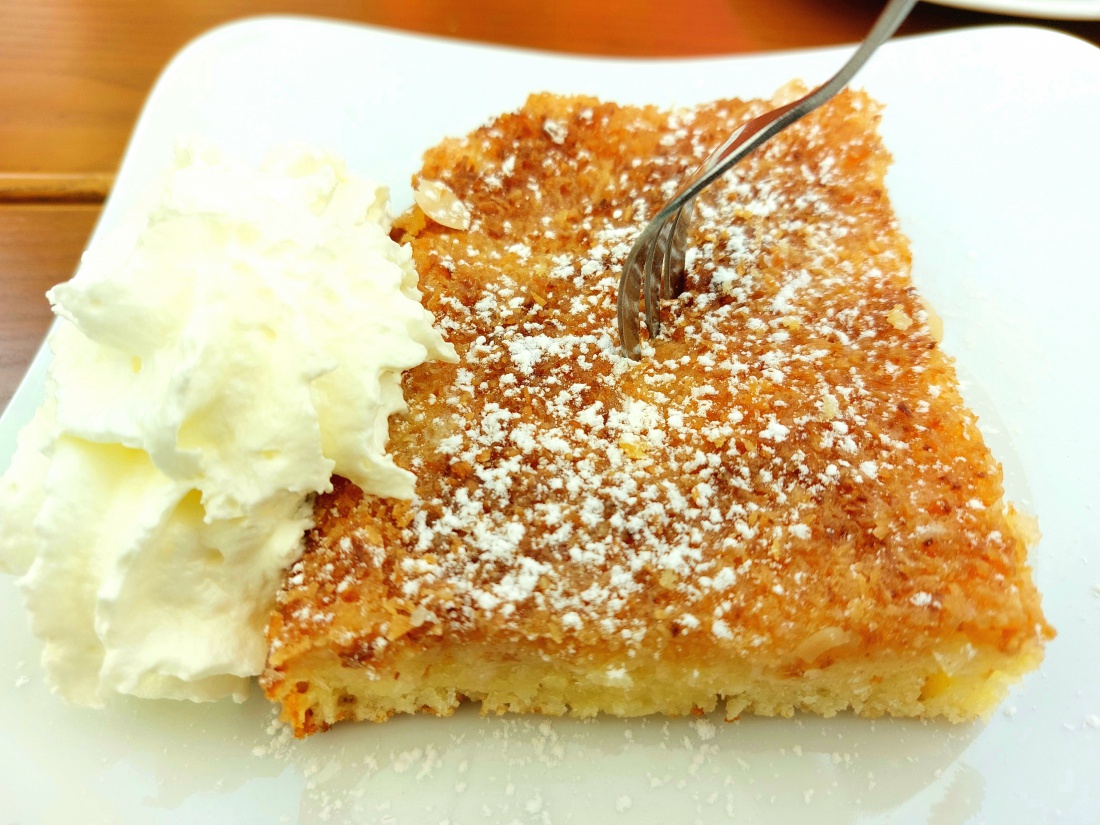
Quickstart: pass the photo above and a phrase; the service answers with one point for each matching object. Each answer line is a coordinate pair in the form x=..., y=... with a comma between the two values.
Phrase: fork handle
x=754, y=132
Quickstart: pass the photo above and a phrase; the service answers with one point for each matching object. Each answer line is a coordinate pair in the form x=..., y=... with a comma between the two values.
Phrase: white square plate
x=996, y=182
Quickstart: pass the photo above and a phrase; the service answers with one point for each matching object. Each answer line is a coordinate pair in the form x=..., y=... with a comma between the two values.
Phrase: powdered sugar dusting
x=536, y=771
x=743, y=472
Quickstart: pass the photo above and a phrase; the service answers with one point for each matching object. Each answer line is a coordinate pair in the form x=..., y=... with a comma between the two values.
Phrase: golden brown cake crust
x=788, y=480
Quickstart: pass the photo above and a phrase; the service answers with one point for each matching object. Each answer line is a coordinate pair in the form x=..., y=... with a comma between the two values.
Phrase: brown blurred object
x=74, y=75
x=39, y=247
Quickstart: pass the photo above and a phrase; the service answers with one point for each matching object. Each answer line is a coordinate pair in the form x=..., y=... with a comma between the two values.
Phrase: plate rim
x=753, y=57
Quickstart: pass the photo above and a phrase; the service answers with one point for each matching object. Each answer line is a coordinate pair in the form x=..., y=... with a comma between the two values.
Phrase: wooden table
x=74, y=74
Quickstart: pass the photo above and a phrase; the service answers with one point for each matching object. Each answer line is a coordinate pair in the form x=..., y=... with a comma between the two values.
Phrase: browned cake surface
x=789, y=480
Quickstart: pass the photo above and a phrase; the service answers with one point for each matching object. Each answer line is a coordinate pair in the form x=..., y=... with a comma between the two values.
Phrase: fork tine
x=630, y=284
x=676, y=252
x=652, y=282
x=654, y=268
x=667, y=250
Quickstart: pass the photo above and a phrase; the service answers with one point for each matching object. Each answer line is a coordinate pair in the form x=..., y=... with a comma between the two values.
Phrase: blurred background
x=74, y=75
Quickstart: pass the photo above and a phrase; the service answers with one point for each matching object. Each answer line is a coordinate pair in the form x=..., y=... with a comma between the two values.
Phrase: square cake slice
x=785, y=505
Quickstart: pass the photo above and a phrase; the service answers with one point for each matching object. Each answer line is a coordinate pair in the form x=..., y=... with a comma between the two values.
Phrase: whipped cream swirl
x=216, y=360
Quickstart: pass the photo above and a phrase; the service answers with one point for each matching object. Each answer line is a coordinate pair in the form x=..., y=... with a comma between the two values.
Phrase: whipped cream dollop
x=216, y=360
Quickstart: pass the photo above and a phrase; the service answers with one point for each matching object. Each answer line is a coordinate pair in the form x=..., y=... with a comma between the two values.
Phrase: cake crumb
x=705, y=729
x=898, y=318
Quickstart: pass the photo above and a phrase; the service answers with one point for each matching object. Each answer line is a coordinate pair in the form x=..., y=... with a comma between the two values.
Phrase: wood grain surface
x=39, y=247
x=74, y=75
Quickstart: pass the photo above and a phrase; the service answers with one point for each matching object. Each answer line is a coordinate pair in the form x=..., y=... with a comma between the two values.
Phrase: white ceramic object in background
x=1051, y=9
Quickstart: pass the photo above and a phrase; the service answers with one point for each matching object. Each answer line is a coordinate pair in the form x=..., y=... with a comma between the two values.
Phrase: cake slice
x=785, y=505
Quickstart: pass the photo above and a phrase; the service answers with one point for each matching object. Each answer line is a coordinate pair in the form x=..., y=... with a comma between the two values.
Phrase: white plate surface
x=1050, y=9
x=996, y=182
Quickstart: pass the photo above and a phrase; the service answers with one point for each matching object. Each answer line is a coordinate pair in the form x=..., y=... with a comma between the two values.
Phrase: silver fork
x=657, y=257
